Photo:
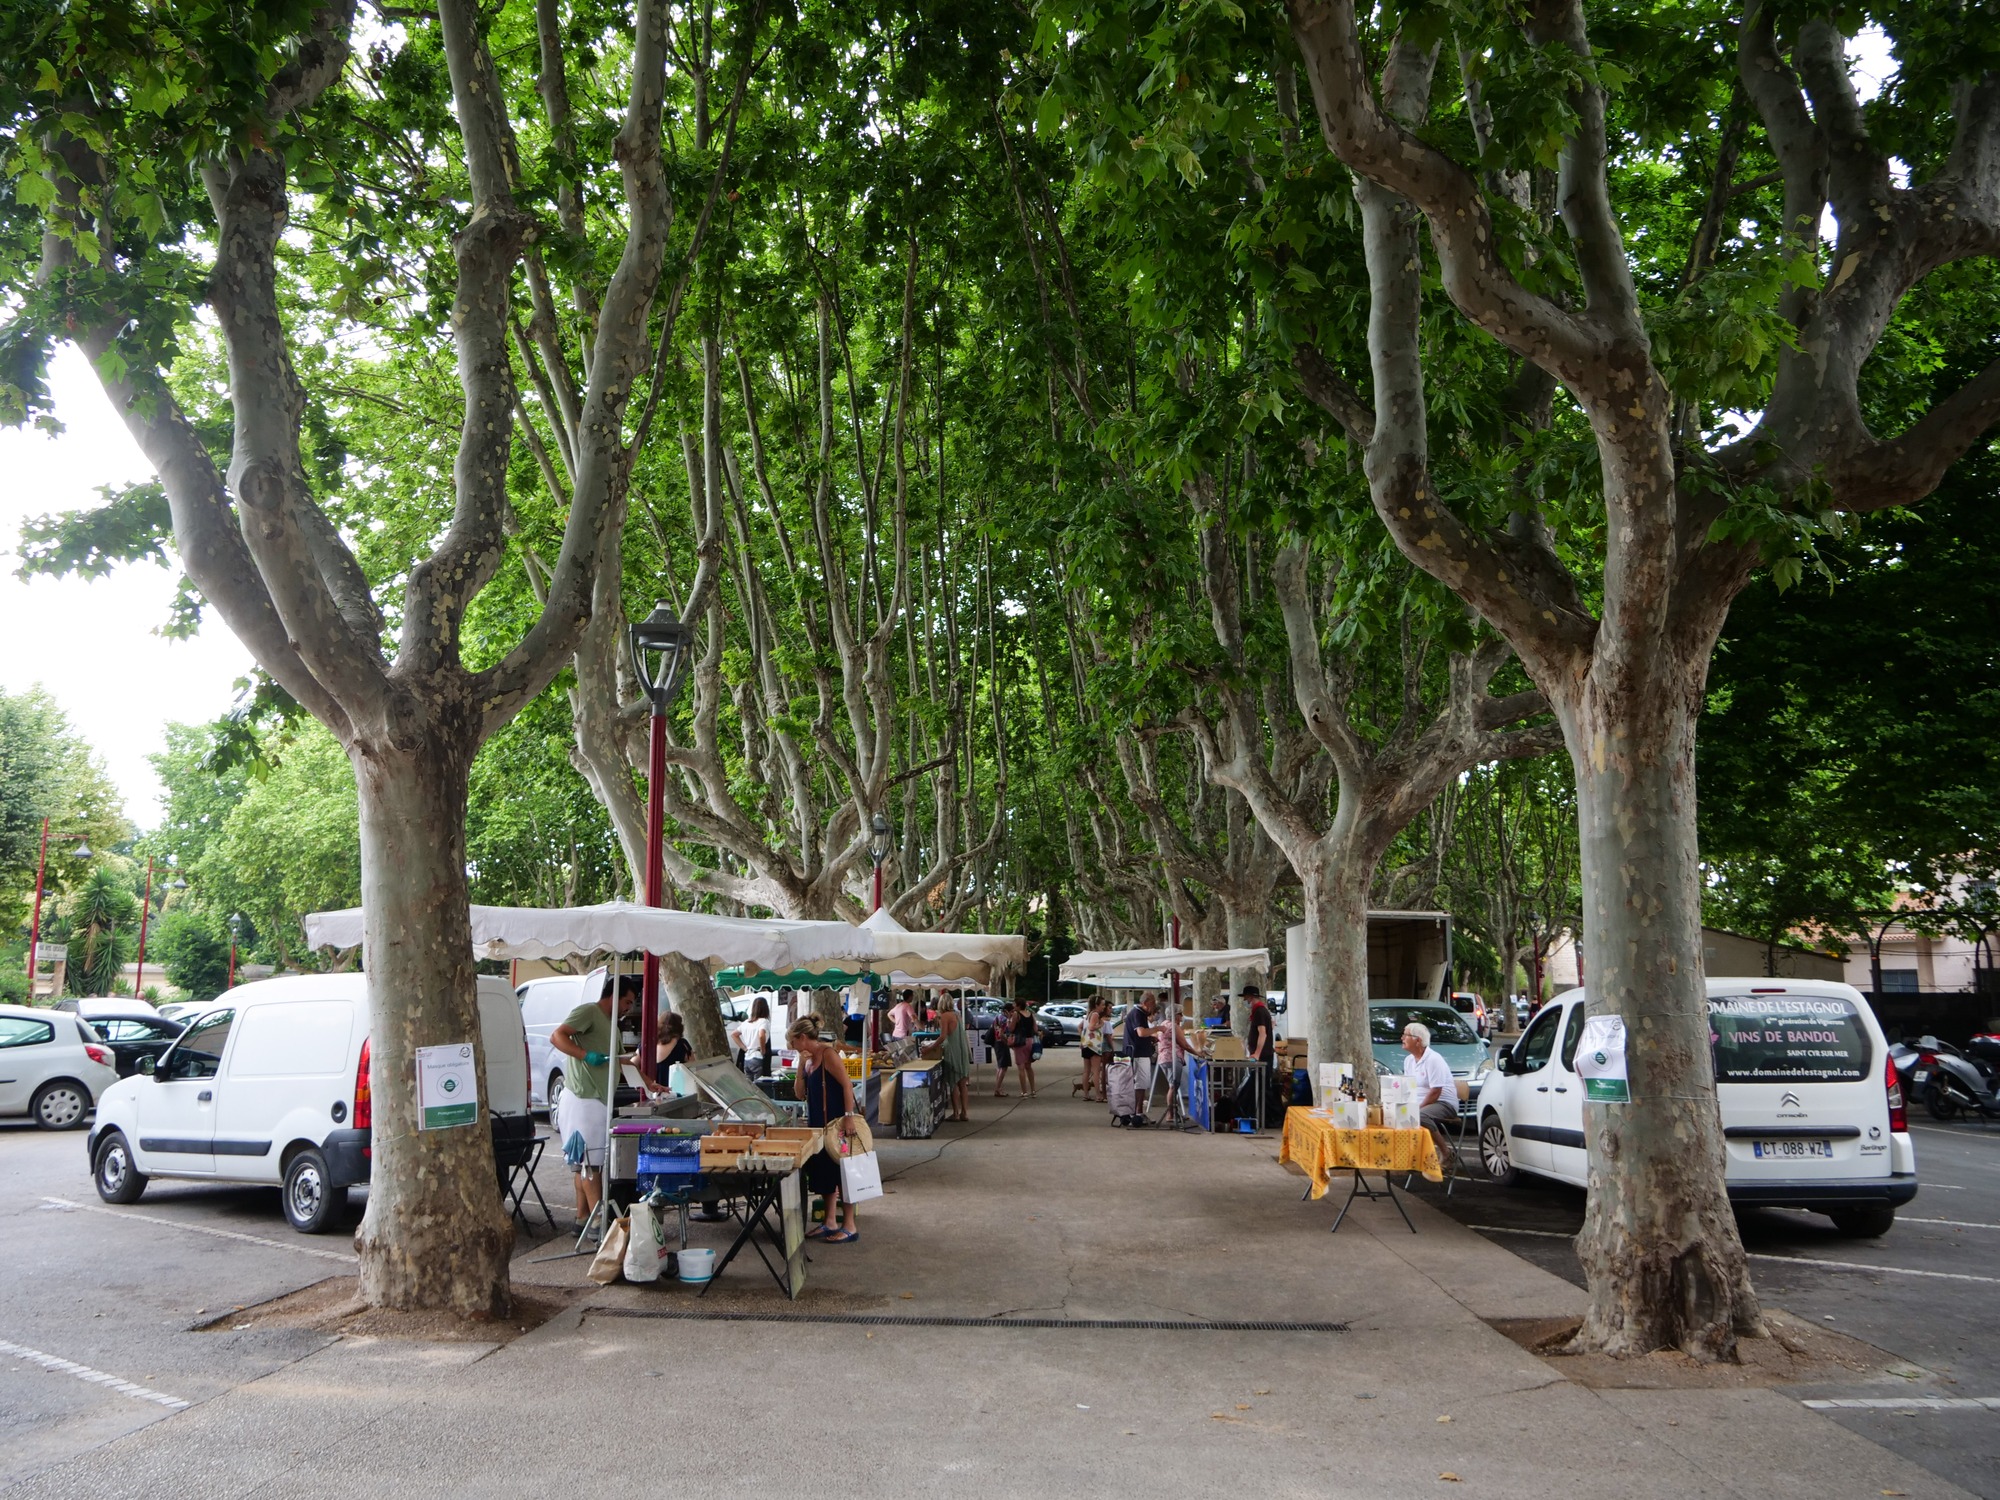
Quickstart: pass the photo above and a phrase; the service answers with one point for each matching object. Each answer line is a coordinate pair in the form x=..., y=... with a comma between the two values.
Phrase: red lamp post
x=35, y=923
x=878, y=849
x=661, y=648
x=145, y=911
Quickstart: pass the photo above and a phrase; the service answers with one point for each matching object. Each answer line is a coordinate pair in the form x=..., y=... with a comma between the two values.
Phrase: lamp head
x=236, y=926
x=83, y=849
x=661, y=649
x=878, y=838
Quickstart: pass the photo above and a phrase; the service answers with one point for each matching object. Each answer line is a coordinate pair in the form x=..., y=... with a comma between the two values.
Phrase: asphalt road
x=1926, y=1291
x=96, y=1332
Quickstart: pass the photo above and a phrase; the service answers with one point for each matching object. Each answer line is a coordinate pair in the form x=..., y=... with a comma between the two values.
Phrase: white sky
x=94, y=643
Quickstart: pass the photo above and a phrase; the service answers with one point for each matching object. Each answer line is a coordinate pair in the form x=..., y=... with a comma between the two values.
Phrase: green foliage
x=194, y=949
x=132, y=525
x=46, y=771
x=1848, y=746
x=100, y=922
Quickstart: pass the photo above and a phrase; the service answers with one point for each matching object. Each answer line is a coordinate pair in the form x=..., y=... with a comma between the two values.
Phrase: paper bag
x=860, y=1177
x=610, y=1258
x=1403, y=1114
x=646, y=1249
x=1349, y=1114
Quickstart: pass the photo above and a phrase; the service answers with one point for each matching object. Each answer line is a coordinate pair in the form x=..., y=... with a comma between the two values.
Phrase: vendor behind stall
x=588, y=1038
x=829, y=1094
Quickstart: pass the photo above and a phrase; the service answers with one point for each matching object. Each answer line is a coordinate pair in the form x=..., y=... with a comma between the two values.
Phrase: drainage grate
x=946, y=1320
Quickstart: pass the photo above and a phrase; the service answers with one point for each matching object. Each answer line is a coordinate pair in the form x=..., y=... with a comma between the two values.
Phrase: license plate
x=1920, y=1075
x=1791, y=1148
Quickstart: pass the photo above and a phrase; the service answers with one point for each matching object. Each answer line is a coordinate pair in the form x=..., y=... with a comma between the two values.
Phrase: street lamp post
x=35, y=923
x=235, y=937
x=661, y=648
x=145, y=912
x=878, y=850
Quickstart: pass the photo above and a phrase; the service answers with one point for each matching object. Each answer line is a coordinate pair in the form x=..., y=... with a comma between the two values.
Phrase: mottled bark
x=1659, y=1243
x=436, y=1234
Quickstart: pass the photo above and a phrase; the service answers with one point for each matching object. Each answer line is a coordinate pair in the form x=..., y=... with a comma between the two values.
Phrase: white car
x=272, y=1085
x=53, y=1067
x=1812, y=1113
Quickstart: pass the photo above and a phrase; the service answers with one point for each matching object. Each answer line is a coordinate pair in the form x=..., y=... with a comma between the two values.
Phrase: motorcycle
x=1949, y=1082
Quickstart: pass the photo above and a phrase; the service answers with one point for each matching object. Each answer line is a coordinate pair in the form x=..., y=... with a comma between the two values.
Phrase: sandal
x=817, y=1232
x=842, y=1236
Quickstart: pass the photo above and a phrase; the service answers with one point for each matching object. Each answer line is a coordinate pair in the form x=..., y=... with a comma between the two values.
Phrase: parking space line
x=1908, y=1403
x=63, y=1366
x=221, y=1234
x=1954, y=1223
x=1788, y=1260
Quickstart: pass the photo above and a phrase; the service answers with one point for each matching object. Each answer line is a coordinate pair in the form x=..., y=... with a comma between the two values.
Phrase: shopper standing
x=955, y=1060
x=1000, y=1038
x=754, y=1036
x=1090, y=1035
x=1021, y=1030
x=829, y=1095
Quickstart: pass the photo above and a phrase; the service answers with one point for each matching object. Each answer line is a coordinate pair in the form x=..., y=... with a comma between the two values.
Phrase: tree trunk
x=1659, y=1242
x=1336, y=913
x=1246, y=927
x=435, y=1236
x=692, y=992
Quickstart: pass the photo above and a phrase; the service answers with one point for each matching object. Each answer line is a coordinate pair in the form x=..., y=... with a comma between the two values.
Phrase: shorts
x=1088, y=1054
x=580, y=1127
x=1142, y=1072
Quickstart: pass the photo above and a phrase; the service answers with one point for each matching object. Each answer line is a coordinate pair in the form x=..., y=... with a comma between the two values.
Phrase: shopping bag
x=860, y=1177
x=646, y=1247
x=839, y=1141
x=610, y=1258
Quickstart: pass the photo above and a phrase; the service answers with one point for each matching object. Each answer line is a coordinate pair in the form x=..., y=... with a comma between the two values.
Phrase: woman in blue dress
x=829, y=1095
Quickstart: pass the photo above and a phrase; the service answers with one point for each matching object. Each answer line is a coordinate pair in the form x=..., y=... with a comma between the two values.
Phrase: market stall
x=767, y=1186
x=1213, y=1074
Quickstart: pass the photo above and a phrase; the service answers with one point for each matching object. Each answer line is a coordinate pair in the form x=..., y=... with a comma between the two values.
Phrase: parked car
x=273, y=1086
x=183, y=1010
x=1060, y=1022
x=1469, y=1005
x=131, y=1031
x=1812, y=1109
x=53, y=1067
x=1470, y=1055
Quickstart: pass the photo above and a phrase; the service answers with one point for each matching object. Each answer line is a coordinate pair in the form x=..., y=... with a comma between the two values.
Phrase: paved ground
x=1038, y=1209
x=1925, y=1290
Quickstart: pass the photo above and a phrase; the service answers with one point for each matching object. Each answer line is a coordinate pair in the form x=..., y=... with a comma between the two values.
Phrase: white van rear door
x=1798, y=1076
x=505, y=1042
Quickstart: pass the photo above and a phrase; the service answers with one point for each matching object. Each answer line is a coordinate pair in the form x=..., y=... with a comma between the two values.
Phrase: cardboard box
x=1403, y=1114
x=1374, y=1117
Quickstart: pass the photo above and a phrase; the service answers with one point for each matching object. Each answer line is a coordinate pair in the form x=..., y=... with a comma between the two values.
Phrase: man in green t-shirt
x=588, y=1038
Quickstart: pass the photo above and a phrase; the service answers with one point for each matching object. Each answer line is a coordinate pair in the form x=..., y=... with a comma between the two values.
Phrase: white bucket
x=697, y=1266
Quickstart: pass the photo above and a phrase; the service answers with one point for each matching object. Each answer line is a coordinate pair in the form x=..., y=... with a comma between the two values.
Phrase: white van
x=1812, y=1113
x=271, y=1085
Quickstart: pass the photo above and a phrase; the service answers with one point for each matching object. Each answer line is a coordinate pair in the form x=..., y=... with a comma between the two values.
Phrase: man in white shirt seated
x=1437, y=1090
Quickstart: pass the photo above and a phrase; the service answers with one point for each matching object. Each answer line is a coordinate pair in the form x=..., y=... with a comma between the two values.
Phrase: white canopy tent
x=1119, y=967
x=937, y=958
x=506, y=932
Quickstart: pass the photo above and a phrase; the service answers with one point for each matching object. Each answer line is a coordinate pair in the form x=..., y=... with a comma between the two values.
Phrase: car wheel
x=554, y=1095
x=118, y=1181
x=1941, y=1104
x=310, y=1197
x=60, y=1104
x=1493, y=1152
x=1869, y=1223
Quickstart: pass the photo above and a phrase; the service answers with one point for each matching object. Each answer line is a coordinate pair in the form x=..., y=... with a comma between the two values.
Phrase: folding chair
x=516, y=1161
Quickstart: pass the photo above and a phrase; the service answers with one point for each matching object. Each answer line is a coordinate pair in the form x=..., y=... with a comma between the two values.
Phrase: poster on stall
x=1600, y=1060
x=447, y=1086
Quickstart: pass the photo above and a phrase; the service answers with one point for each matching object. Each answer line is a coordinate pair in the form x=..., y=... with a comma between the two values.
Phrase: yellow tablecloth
x=1321, y=1148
